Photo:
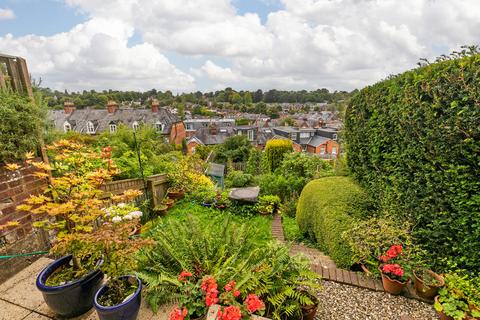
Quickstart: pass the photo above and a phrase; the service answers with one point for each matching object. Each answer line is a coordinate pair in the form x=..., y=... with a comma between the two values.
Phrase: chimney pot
x=111, y=106
x=155, y=105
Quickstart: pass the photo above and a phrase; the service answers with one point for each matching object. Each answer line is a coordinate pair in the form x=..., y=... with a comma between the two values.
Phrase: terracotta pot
x=161, y=211
x=365, y=269
x=176, y=194
x=392, y=286
x=442, y=315
x=168, y=203
x=135, y=231
x=309, y=312
x=220, y=206
x=427, y=292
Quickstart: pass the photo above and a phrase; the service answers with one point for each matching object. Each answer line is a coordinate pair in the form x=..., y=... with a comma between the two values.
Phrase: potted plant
x=221, y=201
x=427, y=283
x=394, y=270
x=268, y=204
x=161, y=209
x=168, y=202
x=208, y=199
x=120, y=297
x=71, y=206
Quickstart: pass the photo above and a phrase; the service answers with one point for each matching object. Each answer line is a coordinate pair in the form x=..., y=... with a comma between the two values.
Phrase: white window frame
x=90, y=127
x=250, y=135
x=294, y=136
x=189, y=126
x=323, y=149
x=67, y=127
x=334, y=150
x=335, y=136
x=135, y=126
x=304, y=135
x=159, y=126
x=112, y=127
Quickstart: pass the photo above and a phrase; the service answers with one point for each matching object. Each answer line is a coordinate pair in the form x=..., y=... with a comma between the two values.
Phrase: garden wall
x=414, y=142
x=14, y=188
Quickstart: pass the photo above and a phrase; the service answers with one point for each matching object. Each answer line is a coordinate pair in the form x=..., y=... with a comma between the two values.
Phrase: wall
x=178, y=133
x=14, y=188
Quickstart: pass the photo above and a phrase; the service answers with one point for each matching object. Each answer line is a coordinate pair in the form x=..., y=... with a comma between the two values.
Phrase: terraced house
x=95, y=121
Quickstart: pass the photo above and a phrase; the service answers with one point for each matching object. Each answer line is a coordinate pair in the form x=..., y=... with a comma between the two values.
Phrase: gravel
x=339, y=302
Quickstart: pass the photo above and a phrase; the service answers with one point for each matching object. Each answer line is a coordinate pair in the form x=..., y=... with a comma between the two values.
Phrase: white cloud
x=95, y=55
x=339, y=44
x=6, y=14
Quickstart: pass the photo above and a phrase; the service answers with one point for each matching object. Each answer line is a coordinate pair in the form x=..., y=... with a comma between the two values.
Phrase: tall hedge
x=275, y=150
x=21, y=123
x=414, y=141
x=328, y=207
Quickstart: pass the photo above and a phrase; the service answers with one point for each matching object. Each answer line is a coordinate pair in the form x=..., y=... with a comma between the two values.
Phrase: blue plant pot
x=208, y=205
x=71, y=299
x=127, y=310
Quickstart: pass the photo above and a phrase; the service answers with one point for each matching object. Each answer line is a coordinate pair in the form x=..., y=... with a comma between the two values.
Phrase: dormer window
x=334, y=136
x=90, y=127
x=159, y=126
x=294, y=136
x=135, y=126
x=67, y=127
x=113, y=127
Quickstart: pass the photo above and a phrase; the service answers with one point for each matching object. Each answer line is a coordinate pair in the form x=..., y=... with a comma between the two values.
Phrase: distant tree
x=247, y=98
x=236, y=148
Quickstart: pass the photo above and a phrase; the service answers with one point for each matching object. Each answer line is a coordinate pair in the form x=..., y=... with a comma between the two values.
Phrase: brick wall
x=15, y=187
x=178, y=133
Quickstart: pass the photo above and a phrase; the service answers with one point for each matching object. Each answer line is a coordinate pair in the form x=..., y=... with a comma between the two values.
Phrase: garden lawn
x=182, y=209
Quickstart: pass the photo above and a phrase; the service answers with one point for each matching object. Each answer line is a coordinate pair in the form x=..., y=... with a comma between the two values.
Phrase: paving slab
x=10, y=311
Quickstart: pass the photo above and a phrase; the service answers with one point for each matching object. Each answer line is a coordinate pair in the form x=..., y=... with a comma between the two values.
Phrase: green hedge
x=326, y=208
x=414, y=141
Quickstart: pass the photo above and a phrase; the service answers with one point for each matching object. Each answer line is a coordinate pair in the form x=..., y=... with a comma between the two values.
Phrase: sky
x=190, y=45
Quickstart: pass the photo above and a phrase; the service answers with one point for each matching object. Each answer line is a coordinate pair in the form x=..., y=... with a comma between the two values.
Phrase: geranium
x=178, y=314
x=254, y=303
x=236, y=293
x=394, y=251
x=229, y=313
x=183, y=275
x=209, y=286
x=229, y=286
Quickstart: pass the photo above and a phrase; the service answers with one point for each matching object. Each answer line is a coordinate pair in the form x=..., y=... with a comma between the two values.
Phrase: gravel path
x=343, y=302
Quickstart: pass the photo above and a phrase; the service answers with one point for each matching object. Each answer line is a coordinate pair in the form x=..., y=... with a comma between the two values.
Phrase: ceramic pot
x=427, y=291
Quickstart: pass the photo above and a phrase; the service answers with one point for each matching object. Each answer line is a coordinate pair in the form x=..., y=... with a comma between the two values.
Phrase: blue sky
x=189, y=45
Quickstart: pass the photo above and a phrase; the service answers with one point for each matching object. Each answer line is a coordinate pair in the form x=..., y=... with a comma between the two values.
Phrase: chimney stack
x=111, y=106
x=68, y=107
x=213, y=129
x=155, y=105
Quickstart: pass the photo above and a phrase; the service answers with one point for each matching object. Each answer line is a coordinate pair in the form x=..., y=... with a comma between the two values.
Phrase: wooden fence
x=14, y=75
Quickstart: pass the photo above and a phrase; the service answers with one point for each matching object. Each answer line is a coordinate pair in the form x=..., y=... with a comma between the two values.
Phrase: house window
x=90, y=127
x=322, y=150
x=113, y=127
x=250, y=135
x=67, y=127
x=334, y=136
x=193, y=149
x=135, y=126
x=189, y=126
x=334, y=150
x=304, y=135
x=294, y=136
x=239, y=132
x=159, y=126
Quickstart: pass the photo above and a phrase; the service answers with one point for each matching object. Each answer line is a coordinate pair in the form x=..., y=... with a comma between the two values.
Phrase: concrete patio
x=21, y=300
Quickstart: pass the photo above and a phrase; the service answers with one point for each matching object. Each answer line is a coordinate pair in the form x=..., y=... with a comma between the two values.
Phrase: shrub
x=238, y=179
x=268, y=204
x=235, y=148
x=21, y=125
x=275, y=150
x=414, y=141
x=326, y=208
x=279, y=185
x=302, y=165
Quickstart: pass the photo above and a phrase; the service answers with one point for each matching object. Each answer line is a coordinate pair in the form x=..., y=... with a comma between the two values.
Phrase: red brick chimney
x=68, y=107
x=213, y=129
x=111, y=106
x=155, y=105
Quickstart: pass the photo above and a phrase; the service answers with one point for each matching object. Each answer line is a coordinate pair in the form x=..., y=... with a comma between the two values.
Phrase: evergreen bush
x=275, y=150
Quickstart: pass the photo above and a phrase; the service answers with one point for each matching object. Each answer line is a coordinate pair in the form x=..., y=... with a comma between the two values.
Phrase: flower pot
x=442, y=315
x=207, y=204
x=365, y=269
x=71, y=299
x=127, y=310
x=427, y=291
x=176, y=194
x=168, y=203
x=161, y=210
x=309, y=312
x=220, y=206
x=392, y=286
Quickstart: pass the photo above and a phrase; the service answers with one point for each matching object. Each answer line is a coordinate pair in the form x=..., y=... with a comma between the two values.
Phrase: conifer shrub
x=326, y=209
x=275, y=150
x=413, y=140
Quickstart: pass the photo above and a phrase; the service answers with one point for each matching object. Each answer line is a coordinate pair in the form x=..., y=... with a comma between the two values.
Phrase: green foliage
x=291, y=230
x=275, y=150
x=235, y=148
x=238, y=179
x=268, y=204
x=326, y=208
x=254, y=161
x=278, y=184
x=414, y=142
x=304, y=166
x=460, y=297
x=21, y=126
x=289, y=206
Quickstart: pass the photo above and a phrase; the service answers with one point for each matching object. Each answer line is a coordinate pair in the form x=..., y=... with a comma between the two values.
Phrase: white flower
x=116, y=219
x=136, y=214
x=121, y=205
x=128, y=217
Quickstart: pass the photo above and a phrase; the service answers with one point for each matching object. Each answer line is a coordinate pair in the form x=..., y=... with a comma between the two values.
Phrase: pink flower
x=178, y=314
x=253, y=303
x=229, y=286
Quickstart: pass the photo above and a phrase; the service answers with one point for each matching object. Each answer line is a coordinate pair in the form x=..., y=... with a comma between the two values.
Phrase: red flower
x=209, y=286
x=183, y=275
x=178, y=314
x=394, y=269
x=384, y=258
x=229, y=286
x=236, y=293
x=253, y=303
x=229, y=313
x=394, y=251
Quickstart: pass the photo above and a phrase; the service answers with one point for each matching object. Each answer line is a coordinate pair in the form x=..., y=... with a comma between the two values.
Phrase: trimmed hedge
x=275, y=150
x=326, y=208
x=414, y=141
